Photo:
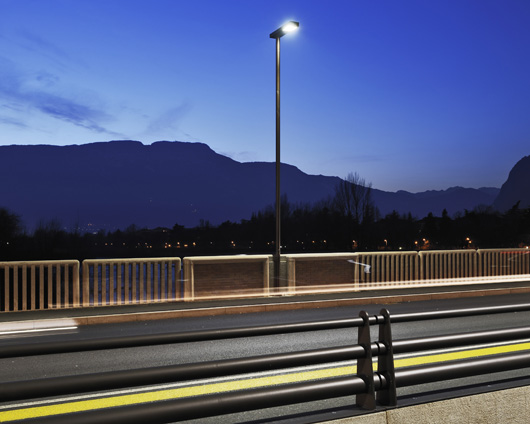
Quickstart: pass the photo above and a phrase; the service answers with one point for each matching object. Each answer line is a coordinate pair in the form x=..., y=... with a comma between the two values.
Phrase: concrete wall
x=231, y=276
x=213, y=280
x=511, y=406
x=321, y=270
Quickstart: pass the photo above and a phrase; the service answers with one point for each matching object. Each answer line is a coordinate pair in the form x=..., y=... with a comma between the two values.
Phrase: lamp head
x=285, y=29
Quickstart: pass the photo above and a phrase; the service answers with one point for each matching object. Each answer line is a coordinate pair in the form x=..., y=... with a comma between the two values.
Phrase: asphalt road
x=77, y=363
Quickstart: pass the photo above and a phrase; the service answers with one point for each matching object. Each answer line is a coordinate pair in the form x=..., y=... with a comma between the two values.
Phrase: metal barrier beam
x=364, y=384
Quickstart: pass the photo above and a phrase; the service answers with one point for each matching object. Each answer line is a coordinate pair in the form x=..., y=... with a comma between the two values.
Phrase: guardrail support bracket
x=365, y=368
x=385, y=363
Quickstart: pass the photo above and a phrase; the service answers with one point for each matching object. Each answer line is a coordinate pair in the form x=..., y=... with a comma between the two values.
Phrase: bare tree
x=9, y=225
x=353, y=198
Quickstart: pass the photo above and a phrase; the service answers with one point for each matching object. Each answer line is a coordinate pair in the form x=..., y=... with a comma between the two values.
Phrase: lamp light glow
x=285, y=29
x=290, y=26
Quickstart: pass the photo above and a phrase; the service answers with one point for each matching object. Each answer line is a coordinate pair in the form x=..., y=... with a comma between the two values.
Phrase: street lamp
x=279, y=33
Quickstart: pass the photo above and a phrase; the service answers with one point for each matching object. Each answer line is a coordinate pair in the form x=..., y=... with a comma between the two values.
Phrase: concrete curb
x=40, y=325
x=502, y=406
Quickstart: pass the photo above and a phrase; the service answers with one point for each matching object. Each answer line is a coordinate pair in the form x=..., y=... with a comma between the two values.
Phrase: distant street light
x=279, y=33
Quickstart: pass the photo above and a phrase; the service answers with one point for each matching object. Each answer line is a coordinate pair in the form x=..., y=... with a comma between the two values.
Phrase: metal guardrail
x=43, y=348
x=370, y=387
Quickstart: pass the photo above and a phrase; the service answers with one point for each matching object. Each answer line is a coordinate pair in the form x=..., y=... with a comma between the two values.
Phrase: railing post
x=365, y=369
x=385, y=363
x=421, y=267
x=24, y=270
x=85, y=286
x=266, y=284
x=15, y=288
x=33, y=288
x=189, y=278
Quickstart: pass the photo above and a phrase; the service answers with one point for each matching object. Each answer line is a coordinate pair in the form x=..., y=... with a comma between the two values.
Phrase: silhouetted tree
x=9, y=231
x=9, y=225
x=50, y=239
x=353, y=201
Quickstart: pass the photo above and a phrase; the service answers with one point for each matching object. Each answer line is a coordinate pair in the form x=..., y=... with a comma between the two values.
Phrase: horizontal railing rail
x=181, y=409
x=45, y=348
x=463, y=339
x=460, y=313
x=458, y=369
x=20, y=390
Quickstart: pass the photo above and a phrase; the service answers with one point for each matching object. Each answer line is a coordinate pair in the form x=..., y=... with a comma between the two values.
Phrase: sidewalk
x=11, y=321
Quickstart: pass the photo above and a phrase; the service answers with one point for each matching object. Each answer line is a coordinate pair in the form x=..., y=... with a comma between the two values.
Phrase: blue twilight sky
x=411, y=94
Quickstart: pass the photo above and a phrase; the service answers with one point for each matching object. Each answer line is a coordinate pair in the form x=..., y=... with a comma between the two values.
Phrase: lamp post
x=279, y=33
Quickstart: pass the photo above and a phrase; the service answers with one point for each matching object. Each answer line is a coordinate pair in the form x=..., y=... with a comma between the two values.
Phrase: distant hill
x=118, y=183
x=454, y=199
x=516, y=188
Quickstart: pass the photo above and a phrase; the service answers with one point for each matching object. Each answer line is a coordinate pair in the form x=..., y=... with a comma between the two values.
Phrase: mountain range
x=114, y=184
x=516, y=189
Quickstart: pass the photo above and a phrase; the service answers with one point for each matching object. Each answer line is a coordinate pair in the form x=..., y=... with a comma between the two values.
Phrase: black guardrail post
x=365, y=369
x=385, y=363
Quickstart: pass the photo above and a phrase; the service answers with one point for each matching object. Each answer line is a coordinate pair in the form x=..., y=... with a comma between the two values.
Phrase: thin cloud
x=169, y=120
x=243, y=156
x=366, y=158
x=13, y=122
x=38, y=45
x=68, y=111
x=14, y=89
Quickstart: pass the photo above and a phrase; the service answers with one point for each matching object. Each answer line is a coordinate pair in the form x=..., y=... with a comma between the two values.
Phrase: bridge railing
x=37, y=285
x=448, y=264
x=42, y=285
x=373, y=270
x=503, y=262
x=129, y=281
x=350, y=271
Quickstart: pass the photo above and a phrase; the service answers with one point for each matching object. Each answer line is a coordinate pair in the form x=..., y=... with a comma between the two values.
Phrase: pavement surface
x=20, y=320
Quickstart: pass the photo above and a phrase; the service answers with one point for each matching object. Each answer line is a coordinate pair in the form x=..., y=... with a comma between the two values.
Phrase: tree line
x=347, y=221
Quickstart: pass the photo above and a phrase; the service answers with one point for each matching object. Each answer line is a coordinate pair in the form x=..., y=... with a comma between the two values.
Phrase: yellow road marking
x=465, y=354
x=160, y=395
